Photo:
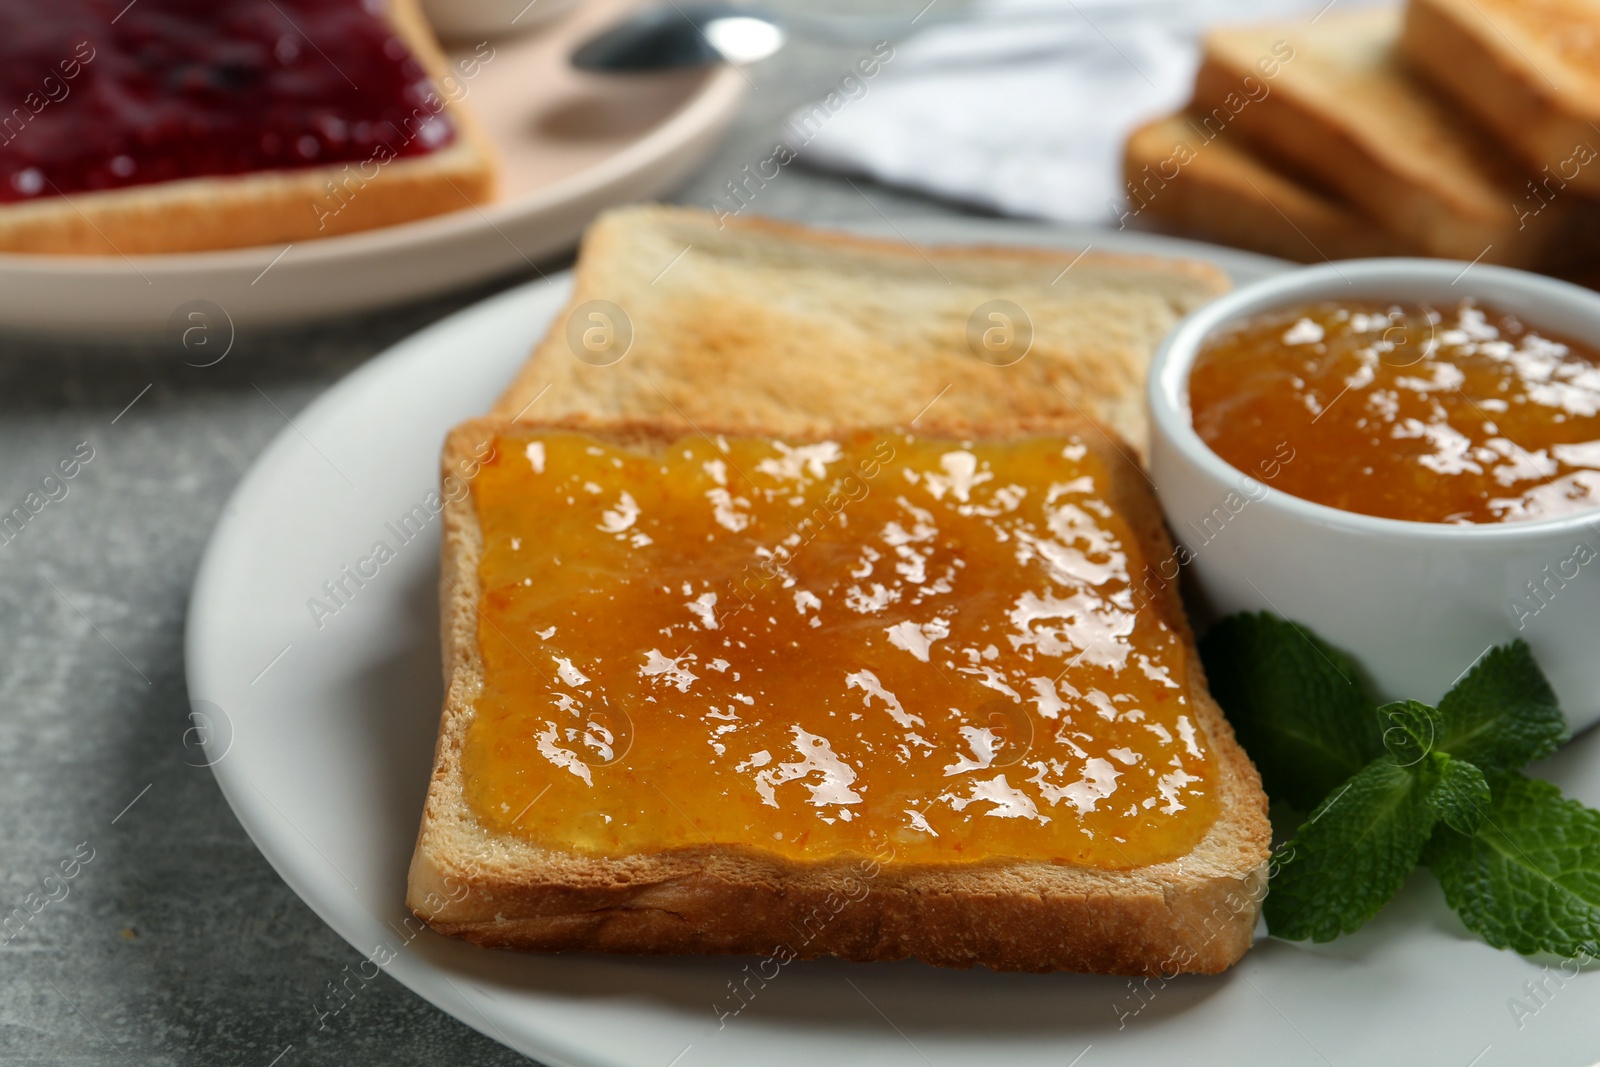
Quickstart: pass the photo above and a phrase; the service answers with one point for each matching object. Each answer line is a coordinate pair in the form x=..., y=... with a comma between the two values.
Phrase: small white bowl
x=1415, y=602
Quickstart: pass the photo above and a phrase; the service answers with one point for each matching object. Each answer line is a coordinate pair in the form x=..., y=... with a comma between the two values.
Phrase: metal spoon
x=693, y=35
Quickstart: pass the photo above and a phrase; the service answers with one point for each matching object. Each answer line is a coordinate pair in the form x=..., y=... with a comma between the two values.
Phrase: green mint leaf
x=1529, y=879
x=1352, y=854
x=1299, y=707
x=1460, y=793
x=1409, y=729
x=1503, y=714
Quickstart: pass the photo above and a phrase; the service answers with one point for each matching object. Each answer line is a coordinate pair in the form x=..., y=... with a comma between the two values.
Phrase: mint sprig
x=1298, y=705
x=1352, y=854
x=1529, y=878
x=1503, y=714
x=1390, y=786
x=1460, y=794
x=1410, y=730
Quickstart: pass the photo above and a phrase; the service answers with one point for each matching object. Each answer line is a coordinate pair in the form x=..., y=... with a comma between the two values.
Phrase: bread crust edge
x=1226, y=194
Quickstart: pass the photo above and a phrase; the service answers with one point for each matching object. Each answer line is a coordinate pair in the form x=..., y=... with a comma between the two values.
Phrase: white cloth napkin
x=1024, y=108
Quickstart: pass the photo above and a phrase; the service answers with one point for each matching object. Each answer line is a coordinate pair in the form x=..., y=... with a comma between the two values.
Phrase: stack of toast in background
x=1454, y=128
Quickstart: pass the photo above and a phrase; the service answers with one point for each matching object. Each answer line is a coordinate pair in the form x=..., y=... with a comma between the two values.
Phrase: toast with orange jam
x=873, y=693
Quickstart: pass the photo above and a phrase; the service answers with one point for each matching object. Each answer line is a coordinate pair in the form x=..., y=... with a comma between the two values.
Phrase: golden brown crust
x=266, y=207
x=1204, y=184
x=1195, y=914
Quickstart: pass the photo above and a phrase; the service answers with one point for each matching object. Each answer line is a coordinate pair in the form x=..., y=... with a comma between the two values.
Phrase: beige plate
x=570, y=143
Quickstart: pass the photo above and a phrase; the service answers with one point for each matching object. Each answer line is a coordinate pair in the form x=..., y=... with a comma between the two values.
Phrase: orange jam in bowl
x=1446, y=413
x=910, y=647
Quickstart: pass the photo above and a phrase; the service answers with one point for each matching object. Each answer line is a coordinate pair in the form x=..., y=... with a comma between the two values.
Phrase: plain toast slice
x=1528, y=69
x=1193, y=913
x=1185, y=178
x=1346, y=110
x=769, y=324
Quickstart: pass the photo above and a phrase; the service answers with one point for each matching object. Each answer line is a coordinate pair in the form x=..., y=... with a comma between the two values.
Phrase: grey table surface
x=176, y=943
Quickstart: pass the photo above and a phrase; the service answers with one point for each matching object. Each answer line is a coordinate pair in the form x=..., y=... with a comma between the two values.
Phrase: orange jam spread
x=907, y=647
x=1434, y=414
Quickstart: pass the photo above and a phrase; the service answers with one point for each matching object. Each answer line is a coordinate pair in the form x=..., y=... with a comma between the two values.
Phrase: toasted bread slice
x=1528, y=69
x=793, y=329
x=1192, y=913
x=1188, y=179
x=1345, y=109
x=270, y=207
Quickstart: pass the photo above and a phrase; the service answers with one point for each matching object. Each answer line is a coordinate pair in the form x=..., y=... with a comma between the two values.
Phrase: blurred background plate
x=570, y=145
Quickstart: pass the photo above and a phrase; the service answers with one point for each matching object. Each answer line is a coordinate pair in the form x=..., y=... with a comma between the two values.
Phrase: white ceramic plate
x=570, y=144
x=322, y=740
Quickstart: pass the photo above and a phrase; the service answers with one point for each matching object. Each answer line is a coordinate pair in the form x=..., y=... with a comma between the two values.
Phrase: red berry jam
x=102, y=94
